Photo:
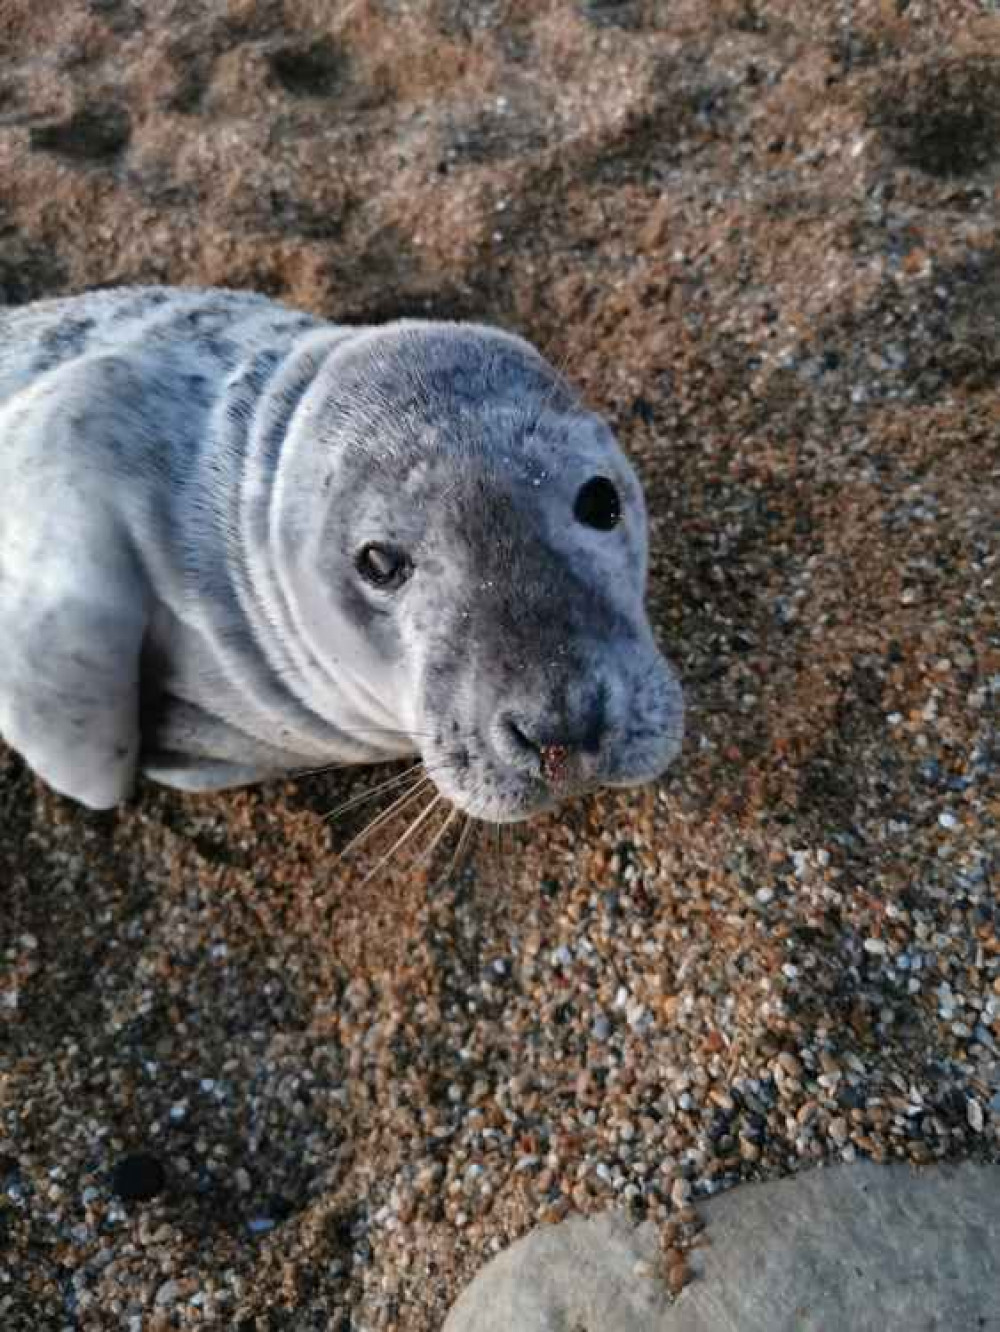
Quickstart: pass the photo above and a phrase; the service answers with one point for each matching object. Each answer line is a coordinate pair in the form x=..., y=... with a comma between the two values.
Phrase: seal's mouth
x=483, y=785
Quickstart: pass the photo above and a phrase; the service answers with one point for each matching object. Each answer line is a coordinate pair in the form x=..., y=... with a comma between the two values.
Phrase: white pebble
x=680, y=1193
x=167, y=1293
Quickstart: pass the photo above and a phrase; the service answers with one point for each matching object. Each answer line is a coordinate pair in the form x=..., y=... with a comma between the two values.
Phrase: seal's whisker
x=354, y=765
x=506, y=842
x=410, y=775
x=456, y=862
x=381, y=819
x=494, y=852
x=454, y=855
x=476, y=827
x=339, y=765
x=420, y=819
x=362, y=796
x=428, y=853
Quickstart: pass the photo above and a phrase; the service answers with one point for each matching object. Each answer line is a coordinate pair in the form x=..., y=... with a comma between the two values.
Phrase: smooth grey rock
x=863, y=1248
x=582, y=1275
x=860, y=1248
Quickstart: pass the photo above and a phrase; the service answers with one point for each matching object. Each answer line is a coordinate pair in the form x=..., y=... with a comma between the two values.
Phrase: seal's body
x=237, y=541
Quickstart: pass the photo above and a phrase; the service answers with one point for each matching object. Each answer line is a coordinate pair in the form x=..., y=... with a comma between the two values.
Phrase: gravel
x=736, y=227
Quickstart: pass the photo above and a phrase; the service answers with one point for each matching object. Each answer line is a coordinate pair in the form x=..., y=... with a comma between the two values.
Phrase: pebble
x=790, y=1065
x=601, y=1028
x=167, y=1293
x=678, y=1274
x=838, y=1129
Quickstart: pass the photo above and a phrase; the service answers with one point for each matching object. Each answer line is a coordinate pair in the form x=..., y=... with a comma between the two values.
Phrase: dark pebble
x=951, y=1106
x=611, y=13
x=767, y=1092
x=853, y=1098
x=643, y=410
x=138, y=1178
x=754, y=1128
x=719, y=1127
x=279, y=1207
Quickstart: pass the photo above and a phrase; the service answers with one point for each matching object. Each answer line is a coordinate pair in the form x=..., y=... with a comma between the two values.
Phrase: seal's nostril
x=521, y=742
x=517, y=744
x=593, y=722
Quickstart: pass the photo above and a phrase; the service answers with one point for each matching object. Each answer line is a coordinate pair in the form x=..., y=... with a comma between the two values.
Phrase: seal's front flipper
x=69, y=692
x=73, y=595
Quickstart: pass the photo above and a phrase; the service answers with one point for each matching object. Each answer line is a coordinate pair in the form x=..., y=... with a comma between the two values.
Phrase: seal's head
x=484, y=538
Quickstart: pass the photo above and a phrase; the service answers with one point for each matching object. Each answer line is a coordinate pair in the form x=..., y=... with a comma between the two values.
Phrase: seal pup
x=237, y=542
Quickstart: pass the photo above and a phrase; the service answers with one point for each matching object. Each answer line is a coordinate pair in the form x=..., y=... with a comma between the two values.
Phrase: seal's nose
x=556, y=745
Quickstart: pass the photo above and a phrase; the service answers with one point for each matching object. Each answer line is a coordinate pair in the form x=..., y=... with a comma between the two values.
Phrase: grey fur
x=185, y=479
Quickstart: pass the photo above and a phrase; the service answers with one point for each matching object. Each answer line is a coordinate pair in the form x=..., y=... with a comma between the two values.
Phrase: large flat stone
x=854, y=1247
x=578, y=1276
x=859, y=1248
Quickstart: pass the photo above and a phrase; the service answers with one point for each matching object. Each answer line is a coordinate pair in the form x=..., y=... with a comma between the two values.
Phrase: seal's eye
x=598, y=504
x=383, y=566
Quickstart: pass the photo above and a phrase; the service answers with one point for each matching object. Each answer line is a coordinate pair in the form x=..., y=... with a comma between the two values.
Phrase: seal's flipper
x=73, y=602
x=69, y=695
